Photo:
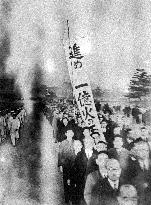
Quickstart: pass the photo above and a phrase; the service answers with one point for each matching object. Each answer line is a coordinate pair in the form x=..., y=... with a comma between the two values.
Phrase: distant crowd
x=10, y=123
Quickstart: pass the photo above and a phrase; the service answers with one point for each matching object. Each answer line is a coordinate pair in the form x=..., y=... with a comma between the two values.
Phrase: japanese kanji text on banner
x=81, y=86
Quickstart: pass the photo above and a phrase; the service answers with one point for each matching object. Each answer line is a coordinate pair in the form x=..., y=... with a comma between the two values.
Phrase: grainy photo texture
x=75, y=102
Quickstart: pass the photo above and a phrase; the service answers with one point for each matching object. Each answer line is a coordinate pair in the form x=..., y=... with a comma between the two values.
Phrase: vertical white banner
x=81, y=86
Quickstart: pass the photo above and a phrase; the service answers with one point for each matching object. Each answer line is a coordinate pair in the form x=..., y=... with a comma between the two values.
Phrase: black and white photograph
x=75, y=102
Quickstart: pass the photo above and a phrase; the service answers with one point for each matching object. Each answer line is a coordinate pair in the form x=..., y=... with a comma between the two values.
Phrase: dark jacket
x=109, y=134
x=79, y=167
x=66, y=155
x=98, y=190
x=78, y=176
x=141, y=179
x=91, y=165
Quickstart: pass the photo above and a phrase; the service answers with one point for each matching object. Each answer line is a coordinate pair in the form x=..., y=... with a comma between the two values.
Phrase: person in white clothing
x=14, y=131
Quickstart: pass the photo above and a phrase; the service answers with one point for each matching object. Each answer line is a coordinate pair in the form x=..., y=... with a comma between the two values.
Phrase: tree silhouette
x=140, y=85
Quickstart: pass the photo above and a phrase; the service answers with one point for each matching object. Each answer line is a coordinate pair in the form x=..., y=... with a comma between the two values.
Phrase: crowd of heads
x=125, y=124
x=124, y=129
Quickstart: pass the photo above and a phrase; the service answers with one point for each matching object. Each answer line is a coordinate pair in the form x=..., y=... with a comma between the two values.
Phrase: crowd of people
x=10, y=123
x=100, y=172
x=111, y=166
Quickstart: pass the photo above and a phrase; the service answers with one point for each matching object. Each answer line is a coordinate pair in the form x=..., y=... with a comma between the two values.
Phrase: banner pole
x=81, y=85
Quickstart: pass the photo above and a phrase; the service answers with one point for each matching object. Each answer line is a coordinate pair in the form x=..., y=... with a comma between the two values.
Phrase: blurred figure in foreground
x=139, y=171
x=65, y=162
x=128, y=195
x=78, y=173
